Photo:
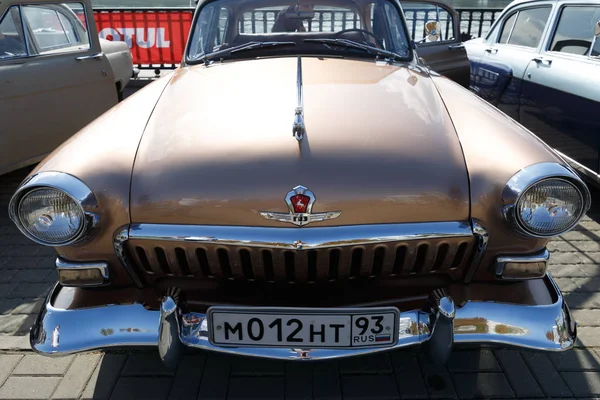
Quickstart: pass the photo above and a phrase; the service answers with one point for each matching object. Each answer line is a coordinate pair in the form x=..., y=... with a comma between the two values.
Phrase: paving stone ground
x=27, y=273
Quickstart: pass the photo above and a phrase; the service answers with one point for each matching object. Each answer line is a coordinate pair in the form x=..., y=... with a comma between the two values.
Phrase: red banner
x=154, y=37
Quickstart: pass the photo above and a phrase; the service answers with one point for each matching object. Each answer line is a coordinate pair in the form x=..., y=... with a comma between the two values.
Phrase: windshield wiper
x=258, y=45
x=356, y=45
x=242, y=47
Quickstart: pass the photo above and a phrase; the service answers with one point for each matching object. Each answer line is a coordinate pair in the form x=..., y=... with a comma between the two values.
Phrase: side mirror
x=597, y=29
x=433, y=31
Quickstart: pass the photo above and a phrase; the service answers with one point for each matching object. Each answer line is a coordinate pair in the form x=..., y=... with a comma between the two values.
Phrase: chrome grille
x=155, y=259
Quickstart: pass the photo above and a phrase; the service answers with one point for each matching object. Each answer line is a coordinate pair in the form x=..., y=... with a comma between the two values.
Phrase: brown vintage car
x=301, y=188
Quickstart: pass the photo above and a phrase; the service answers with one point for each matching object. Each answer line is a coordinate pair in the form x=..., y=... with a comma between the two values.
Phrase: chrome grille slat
x=366, y=264
x=345, y=263
x=387, y=268
x=140, y=258
x=267, y=259
x=460, y=256
x=224, y=263
x=153, y=261
x=235, y=263
x=163, y=263
x=257, y=265
x=410, y=257
x=246, y=262
x=301, y=266
x=193, y=262
x=203, y=261
x=278, y=264
x=289, y=259
x=399, y=252
x=425, y=259
x=173, y=263
x=450, y=254
x=208, y=258
x=376, y=267
x=311, y=271
x=213, y=263
x=335, y=255
x=323, y=265
x=179, y=258
x=441, y=254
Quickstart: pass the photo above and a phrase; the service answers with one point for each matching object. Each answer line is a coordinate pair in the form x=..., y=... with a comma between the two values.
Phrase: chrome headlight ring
x=70, y=186
x=536, y=174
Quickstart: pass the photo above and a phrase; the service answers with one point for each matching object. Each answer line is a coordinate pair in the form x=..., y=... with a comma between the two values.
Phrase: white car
x=540, y=64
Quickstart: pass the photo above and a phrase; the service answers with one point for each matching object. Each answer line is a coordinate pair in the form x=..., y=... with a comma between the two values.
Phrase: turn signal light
x=524, y=270
x=81, y=273
x=522, y=266
x=80, y=277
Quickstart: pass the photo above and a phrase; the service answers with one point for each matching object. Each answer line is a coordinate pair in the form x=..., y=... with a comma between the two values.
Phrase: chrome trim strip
x=24, y=30
x=543, y=327
x=483, y=237
x=73, y=187
x=501, y=261
x=579, y=167
x=121, y=236
x=528, y=176
x=101, y=266
x=513, y=26
x=311, y=238
x=592, y=47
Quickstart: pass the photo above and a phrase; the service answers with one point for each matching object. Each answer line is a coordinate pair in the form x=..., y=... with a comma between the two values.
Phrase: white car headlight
x=50, y=215
x=54, y=209
x=545, y=200
x=550, y=206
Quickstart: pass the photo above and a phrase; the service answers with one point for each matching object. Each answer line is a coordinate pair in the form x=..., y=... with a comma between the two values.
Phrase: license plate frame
x=352, y=312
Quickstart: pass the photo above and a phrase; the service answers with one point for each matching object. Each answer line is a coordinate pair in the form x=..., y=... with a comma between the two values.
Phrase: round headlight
x=550, y=207
x=50, y=216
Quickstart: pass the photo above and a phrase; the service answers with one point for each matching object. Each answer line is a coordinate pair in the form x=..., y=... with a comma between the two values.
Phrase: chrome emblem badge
x=300, y=201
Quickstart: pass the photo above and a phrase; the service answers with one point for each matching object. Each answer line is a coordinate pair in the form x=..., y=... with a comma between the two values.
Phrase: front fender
x=495, y=148
x=101, y=155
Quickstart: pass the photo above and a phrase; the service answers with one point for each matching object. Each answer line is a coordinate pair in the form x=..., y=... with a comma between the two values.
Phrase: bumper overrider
x=538, y=327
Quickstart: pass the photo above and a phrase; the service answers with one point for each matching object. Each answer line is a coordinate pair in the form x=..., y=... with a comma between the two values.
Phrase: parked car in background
x=56, y=76
x=301, y=188
x=540, y=64
x=435, y=28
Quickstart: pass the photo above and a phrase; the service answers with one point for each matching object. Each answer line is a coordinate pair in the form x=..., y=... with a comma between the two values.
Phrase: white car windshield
x=228, y=29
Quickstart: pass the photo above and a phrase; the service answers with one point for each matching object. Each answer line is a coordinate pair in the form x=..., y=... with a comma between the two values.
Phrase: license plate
x=290, y=327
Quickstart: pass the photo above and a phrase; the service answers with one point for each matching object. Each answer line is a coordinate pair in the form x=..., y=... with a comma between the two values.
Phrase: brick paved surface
x=26, y=274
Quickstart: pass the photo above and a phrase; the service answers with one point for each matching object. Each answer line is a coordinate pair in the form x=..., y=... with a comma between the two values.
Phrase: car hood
x=379, y=146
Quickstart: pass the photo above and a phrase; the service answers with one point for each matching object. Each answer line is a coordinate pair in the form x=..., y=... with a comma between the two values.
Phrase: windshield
x=227, y=29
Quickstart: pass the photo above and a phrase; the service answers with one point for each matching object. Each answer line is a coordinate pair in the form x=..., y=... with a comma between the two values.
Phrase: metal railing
x=157, y=37
x=477, y=22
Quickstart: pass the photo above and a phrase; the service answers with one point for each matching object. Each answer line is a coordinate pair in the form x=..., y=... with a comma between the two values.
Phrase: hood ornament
x=299, y=130
x=300, y=201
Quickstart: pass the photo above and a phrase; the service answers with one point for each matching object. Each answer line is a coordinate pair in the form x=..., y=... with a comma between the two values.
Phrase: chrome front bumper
x=543, y=327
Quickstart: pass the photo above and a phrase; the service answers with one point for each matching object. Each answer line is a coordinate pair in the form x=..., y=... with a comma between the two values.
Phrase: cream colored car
x=56, y=76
